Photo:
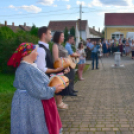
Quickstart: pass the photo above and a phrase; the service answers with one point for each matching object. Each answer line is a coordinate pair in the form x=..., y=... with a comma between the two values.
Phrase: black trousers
x=71, y=76
x=132, y=53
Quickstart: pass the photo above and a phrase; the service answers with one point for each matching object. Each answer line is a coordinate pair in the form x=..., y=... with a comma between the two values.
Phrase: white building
x=84, y=30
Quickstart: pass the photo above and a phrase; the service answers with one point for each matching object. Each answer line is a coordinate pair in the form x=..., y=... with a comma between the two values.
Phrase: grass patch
x=6, y=94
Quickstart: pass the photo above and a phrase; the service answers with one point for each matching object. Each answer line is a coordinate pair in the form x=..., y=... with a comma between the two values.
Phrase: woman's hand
x=58, y=88
x=67, y=70
x=59, y=69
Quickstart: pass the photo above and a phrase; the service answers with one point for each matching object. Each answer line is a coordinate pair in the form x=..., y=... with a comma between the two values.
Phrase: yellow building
x=118, y=25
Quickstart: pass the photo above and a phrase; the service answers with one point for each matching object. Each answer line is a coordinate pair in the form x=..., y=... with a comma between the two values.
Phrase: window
x=113, y=36
x=117, y=35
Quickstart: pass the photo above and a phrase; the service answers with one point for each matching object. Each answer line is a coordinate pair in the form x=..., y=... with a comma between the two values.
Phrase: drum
x=62, y=62
x=59, y=79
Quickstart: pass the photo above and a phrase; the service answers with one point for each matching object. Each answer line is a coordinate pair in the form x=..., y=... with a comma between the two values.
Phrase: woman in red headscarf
x=27, y=113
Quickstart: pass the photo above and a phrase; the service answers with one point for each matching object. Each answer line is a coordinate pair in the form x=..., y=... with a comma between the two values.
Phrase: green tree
x=72, y=31
x=34, y=30
x=65, y=34
x=103, y=33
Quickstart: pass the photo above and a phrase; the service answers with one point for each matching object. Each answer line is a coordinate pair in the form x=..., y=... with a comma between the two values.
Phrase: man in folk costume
x=72, y=71
x=45, y=63
x=44, y=60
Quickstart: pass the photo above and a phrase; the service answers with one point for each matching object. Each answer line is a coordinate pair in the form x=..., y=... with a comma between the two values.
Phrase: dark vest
x=48, y=59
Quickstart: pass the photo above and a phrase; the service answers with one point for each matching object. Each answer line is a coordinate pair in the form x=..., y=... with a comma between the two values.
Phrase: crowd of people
x=125, y=46
x=106, y=47
x=34, y=107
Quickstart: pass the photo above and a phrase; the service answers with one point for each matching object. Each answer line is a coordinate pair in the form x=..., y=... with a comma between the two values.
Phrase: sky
x=40, y=12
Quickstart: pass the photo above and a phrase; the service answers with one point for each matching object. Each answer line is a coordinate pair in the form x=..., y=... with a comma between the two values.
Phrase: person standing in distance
x=71, y=74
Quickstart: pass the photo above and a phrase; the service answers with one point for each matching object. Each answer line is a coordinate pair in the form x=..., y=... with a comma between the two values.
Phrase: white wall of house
x=52, y=33
x=87, y=32
x=94, y=36
x=83, y=34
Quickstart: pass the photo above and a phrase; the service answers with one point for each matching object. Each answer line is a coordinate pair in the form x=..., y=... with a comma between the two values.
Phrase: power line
x=43, y=15
x=36, y=5
x=35, y=13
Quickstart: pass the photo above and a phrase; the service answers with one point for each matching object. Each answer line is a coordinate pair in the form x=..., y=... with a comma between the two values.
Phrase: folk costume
x=27, y=112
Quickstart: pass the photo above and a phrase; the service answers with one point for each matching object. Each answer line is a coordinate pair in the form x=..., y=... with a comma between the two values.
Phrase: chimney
x=94, y=27
x=5, y=23
x=12, y=23
x=24, y=24
x=99, y=29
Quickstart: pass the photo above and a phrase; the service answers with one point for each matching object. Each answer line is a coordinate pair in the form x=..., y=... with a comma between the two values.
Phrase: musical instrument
x=59, y=79
x=73, y=61
x=62, y=62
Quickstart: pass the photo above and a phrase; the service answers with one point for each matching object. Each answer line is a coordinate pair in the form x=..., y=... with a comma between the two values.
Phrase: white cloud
x=109, y=3
x=54, y=5
x=46, y=2
x=31, y=8
x=68, y=6
x=96, y=3
x=117, y=2
x=80, y=2
x=11, y=6
x=65, y=0
x=89, y=5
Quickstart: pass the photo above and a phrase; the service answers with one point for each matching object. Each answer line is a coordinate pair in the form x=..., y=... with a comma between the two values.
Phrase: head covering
x=23, y=50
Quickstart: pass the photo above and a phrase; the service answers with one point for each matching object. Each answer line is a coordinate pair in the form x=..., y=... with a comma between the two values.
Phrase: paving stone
x=115, y=129
x=110, y=132
x=74, y=129
x=99, y=132
x=82, y=132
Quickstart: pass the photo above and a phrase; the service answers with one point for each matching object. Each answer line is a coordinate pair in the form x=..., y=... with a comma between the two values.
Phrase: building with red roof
x=118, y=25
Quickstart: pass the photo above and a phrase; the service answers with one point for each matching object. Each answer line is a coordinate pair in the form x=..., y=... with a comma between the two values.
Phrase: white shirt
x=41, y=63
x=132, y=46
x=81, y=52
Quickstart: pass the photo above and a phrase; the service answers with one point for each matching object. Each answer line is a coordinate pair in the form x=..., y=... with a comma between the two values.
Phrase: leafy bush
x=6, y=33
x=9, y=43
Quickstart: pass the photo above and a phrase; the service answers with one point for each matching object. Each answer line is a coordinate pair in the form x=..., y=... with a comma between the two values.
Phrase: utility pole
x=80, y=19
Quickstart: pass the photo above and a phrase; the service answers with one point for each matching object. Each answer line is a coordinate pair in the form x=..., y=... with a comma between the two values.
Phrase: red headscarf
x=23, y=50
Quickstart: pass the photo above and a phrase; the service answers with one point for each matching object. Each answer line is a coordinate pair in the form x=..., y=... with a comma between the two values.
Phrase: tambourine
x=59, y=79
x=62, y=62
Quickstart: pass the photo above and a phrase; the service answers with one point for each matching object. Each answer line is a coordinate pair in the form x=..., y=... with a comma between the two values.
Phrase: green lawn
x=6, y=94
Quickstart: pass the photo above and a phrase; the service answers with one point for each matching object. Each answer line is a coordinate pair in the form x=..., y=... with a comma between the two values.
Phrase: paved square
x=107, y=102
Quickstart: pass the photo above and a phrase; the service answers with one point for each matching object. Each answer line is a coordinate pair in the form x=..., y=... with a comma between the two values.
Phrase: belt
x=21, y=90
x=94, y=52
